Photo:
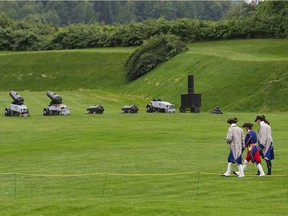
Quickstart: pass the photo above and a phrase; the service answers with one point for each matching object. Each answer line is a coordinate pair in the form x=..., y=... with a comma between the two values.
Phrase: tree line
x=62, y=13
x=270, y=20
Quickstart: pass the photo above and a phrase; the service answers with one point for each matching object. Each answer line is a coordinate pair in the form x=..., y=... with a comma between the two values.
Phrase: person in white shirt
x=235, y=140
x=265, y=141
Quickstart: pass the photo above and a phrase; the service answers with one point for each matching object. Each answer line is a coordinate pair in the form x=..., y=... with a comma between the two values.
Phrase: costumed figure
x=253, y=153
x=265, y=142
x=235, y=140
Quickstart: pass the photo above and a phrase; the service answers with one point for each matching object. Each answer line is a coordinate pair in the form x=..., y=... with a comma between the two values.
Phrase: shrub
x=151, y=53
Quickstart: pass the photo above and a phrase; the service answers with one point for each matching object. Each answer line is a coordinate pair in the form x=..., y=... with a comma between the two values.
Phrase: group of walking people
x=258, y=146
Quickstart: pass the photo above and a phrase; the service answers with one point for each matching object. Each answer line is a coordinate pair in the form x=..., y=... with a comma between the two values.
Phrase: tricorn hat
x=249, y=125
x=259, y=118
x=232, y=120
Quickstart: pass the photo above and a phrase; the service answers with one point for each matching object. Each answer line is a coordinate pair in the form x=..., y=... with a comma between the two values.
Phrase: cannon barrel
x=56, y=99
x=17, y=99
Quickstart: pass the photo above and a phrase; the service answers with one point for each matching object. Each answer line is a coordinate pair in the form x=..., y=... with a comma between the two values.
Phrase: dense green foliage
x=113, y=12
x=267, y=22
x=156, y=50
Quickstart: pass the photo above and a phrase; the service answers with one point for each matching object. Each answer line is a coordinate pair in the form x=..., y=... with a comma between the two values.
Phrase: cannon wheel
x=134, y=109
x=149, y=108
x=195, y=109
x=46, y=112
x=182, y=109
x=7, y=112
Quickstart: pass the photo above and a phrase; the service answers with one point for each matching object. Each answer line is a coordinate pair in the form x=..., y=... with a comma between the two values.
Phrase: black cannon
x=216, y=110
x=130, y=109
x=17, y=99
x=56, y=107
x=55, y=99
x=98, y=109
x=17, y=107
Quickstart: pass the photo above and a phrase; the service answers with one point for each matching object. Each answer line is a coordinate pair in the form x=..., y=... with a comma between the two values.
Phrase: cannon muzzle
x=17, y=99
x=55, y=99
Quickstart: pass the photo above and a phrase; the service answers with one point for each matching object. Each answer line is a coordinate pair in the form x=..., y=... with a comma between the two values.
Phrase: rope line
x=121, y=174
x=99, y=174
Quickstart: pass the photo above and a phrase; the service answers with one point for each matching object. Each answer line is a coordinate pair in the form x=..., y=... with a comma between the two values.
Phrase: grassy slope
x=235, y=75
x=63, y=70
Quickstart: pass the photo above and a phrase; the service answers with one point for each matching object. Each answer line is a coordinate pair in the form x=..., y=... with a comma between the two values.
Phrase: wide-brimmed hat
x=249, y=125
x=232, y=120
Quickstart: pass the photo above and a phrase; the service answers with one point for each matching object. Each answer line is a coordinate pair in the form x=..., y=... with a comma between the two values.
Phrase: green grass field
x=133, y=164
x=144, y=163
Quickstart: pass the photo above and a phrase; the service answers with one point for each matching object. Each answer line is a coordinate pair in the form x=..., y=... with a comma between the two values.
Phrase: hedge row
x=37, y=36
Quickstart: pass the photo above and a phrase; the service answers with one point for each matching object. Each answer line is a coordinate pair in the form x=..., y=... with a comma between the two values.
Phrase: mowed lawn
x=131, y=164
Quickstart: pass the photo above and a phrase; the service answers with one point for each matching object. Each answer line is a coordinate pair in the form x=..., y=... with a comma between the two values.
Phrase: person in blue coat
x=253, y=153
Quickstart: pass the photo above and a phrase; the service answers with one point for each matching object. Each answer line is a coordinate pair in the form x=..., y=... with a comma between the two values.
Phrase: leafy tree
x=210, y=11
x=125, y=12
x=112, y=12
x=273, y=8
x=271, y=19
x=52, y=17
x=104, y=11
x=185, y=9
x=5, y=21
x=58, y=11
x=6, y=39
x=242, y=10
x=83, y=12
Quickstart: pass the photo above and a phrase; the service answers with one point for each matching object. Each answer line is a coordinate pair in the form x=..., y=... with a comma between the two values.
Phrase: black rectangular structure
x=190, y=101
x=190, y=84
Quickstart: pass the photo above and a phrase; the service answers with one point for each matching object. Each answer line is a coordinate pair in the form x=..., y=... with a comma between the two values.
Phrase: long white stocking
x=245, y=164
x=229, y=168
x=240, y=168
x=260, y=169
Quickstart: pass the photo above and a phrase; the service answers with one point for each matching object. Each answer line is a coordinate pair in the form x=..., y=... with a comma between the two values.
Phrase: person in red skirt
x=253, y=153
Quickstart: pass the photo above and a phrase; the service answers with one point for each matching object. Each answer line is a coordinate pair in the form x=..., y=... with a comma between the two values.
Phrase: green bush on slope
x=153, y=52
